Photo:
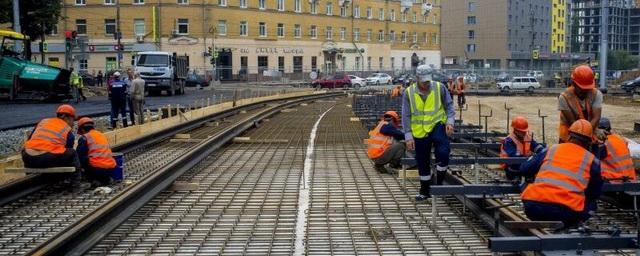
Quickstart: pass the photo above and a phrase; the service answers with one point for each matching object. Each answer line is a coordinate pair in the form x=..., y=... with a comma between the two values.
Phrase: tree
x=36, y=16
x=621, y=60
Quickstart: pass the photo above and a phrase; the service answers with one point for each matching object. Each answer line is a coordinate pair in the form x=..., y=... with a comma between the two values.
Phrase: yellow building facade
x=252, y=36
x=558, y=26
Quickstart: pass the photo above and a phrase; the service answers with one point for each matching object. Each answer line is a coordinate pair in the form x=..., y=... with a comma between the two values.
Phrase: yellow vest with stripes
x=425, y=115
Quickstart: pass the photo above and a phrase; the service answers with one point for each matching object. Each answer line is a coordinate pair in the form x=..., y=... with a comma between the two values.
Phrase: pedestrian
x=460, y=92
x=129, y=81
x=617, y=166
x=428, y=117
x=118, y=98
x=384, y=145
x=568, y=182
x=94, y=153
x=137, y=95
x=580, y=101
x=100, y=78
x=77, y=84
x=519, y=143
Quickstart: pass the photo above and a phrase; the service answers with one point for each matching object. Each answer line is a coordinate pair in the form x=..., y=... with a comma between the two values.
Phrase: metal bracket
x=562, y=242
x=508, y=109
x=544, y=137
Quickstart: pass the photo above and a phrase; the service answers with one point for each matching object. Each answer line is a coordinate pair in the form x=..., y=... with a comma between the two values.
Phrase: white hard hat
x=116, y=73
x=424, y=73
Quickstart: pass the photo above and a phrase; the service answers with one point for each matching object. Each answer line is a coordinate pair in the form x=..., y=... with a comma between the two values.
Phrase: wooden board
x=182, y=136
x=41, y=170
x=532, y=224
x=184, y=186
x=288, y=110
x=410, y=174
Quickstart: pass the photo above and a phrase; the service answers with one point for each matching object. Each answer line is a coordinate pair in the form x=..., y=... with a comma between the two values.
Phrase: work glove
x=599, y=133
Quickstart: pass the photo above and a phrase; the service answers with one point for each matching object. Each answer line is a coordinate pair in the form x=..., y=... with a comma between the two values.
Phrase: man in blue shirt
x=118, y=97
x=384, y=144
x=519, y=143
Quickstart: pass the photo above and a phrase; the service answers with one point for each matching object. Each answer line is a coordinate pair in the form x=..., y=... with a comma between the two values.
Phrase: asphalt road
x=28, y=113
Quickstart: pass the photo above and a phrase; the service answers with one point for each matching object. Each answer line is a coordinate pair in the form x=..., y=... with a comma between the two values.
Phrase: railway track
x=39, y=216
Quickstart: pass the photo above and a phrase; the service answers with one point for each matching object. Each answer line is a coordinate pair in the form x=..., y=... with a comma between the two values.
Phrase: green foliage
x=36, y=16
x=621, y=60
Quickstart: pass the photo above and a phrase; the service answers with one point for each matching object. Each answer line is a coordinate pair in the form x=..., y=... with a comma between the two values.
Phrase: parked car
x=194, y=79
x=503, y=77
x=88, y=79
x=470, y=78
x=334, y=81
x=357, y=81
x=519, y=83
x=379, y=78
x=631, y=85
x=536, y=73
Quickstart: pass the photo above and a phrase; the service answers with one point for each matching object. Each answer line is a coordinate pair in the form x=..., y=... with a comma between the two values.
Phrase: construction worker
x=451, y=86
x=94, y=153
x=384, y=146
x=580, y=101
x=519, y=143
x=118, y=98
x=428, y=116
x=568, y=182
x=78, y=85
x=396, y=91
x=617, y=165
x=459, y=90
x=50, y=144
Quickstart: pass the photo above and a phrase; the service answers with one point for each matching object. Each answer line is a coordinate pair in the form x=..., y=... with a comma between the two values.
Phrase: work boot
x=396, y=165
x=380, y=168
x=425, y=190
x=442, y=171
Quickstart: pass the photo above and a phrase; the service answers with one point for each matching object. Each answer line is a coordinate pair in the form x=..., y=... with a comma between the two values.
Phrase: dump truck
x=162, y=71
x=20, y=78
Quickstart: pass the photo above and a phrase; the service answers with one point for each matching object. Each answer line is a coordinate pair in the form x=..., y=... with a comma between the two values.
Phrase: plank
x=41, y=170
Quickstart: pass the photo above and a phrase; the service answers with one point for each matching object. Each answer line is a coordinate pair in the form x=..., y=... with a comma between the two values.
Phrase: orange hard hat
x=582, y=127
x=520, y=123
x=84, y=121
x=67, y=110
x=392, y=114
x=583, y=77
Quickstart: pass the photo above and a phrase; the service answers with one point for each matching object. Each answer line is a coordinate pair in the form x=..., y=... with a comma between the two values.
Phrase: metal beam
x=478, y=135
x=494, y=146
x=562, y=242
x=475, y=189
x=479, y=160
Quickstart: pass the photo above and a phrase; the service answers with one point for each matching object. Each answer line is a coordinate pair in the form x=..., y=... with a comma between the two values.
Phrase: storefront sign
x=272, y=50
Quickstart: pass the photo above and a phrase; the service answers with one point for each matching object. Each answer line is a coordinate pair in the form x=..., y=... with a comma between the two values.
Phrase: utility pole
x=604, y=44
x=533, y=36
x=118, y=34
x=16, y=22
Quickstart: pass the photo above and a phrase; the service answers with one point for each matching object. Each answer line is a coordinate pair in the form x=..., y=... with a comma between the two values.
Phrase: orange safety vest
x=50, y=136
x=100, y=155
x=576, y=111
x=396, y=91
x=451, y=87
x=378, y=142
x=618, y=162
x=460, y=85
x=523, y=149
x=563, y=177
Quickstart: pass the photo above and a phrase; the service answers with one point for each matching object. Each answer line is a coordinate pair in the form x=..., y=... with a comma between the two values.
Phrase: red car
x=335, y=81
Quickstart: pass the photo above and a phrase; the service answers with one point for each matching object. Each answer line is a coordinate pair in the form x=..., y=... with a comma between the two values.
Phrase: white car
x=379, y=79
x=357, y=81
x=519, y=83
x=537, y=74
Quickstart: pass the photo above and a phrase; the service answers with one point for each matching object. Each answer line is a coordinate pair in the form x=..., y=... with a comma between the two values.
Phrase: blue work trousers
x=118, y=107
x=437, y=139
x=538, y=211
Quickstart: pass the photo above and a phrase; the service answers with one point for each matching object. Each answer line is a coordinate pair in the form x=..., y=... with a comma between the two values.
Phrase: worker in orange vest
x=568, y=182
x=519, y=143
x=396, y=91
x=94, y=153
x=617, y=165
x=459, y=90
x=580, y=101
x=451, y=87
x=384, y=145
x=50, y=144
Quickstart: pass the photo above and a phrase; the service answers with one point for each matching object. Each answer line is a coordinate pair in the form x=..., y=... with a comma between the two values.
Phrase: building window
x=392, y=36
x=109, y=2
x=403, y=16
x=435, y=39
x=369, y=15
x=404, y=61
x=81, y=27
x=314, y=63
x=263, y=29
x=424, y=19
x=280, y=5
x=244, y=29
x=262, y=4
x=381, y=14
x=381, y=35
x=471, y=48
x=314, y=8
x=472, y=34
x=81, y=2
x=426, y=38
x=356, y=34
x=471, y=7
x=138, y=1
x=297, y=31
x=369, y=32
x=243, y=3
x=263, y=63
x=415, y=17
x=110, y=63
x=281, y=64
x=357, y=63
x=297, y=64
x=297, y=6
x=435, y=20
x=329, y=33
x=183, y=26
x=403, y=37
x=181, y=1
x=329, y=8
x=343, y=33
x=138, y=27
x=222, y=27
x=53, y=30
x=280, y=30
x=314, y=32
x=415, y=37
x=471, y=20
x=380, y=63
x=83, y=65
x=222, y=2
x=393, y=64
x=356, y=11
x=392, y=15
x=343, y=11
x=369, y=63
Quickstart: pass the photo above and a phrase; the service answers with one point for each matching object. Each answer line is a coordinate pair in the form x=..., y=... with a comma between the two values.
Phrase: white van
x=519, y=83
